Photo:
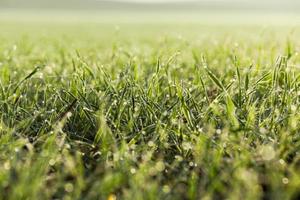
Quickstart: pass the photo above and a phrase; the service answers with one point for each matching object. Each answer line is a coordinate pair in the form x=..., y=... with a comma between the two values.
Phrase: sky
x=274, y=5
x=156, y=1
x=238, y=2
x=173, y=1
x=170, y=1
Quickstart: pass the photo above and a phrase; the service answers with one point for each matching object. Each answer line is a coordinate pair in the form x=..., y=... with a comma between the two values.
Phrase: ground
x=169, y=110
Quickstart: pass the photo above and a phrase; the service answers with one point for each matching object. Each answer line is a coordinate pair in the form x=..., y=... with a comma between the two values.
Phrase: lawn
x=95, y=109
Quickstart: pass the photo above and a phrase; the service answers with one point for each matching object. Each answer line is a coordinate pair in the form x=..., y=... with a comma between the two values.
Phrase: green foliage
x=136, y=114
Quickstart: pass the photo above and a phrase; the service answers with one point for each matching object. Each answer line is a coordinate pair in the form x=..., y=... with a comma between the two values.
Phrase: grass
x=91, y=111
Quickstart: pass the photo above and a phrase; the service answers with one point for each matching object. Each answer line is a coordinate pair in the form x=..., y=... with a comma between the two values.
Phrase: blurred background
x=197, y=5
x=144, y=21
x=188, y=11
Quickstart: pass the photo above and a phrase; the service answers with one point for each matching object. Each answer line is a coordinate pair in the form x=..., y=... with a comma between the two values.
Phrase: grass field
x=100, y=110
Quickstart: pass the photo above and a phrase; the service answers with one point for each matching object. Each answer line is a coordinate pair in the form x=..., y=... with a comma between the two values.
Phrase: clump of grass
x=175, y=119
